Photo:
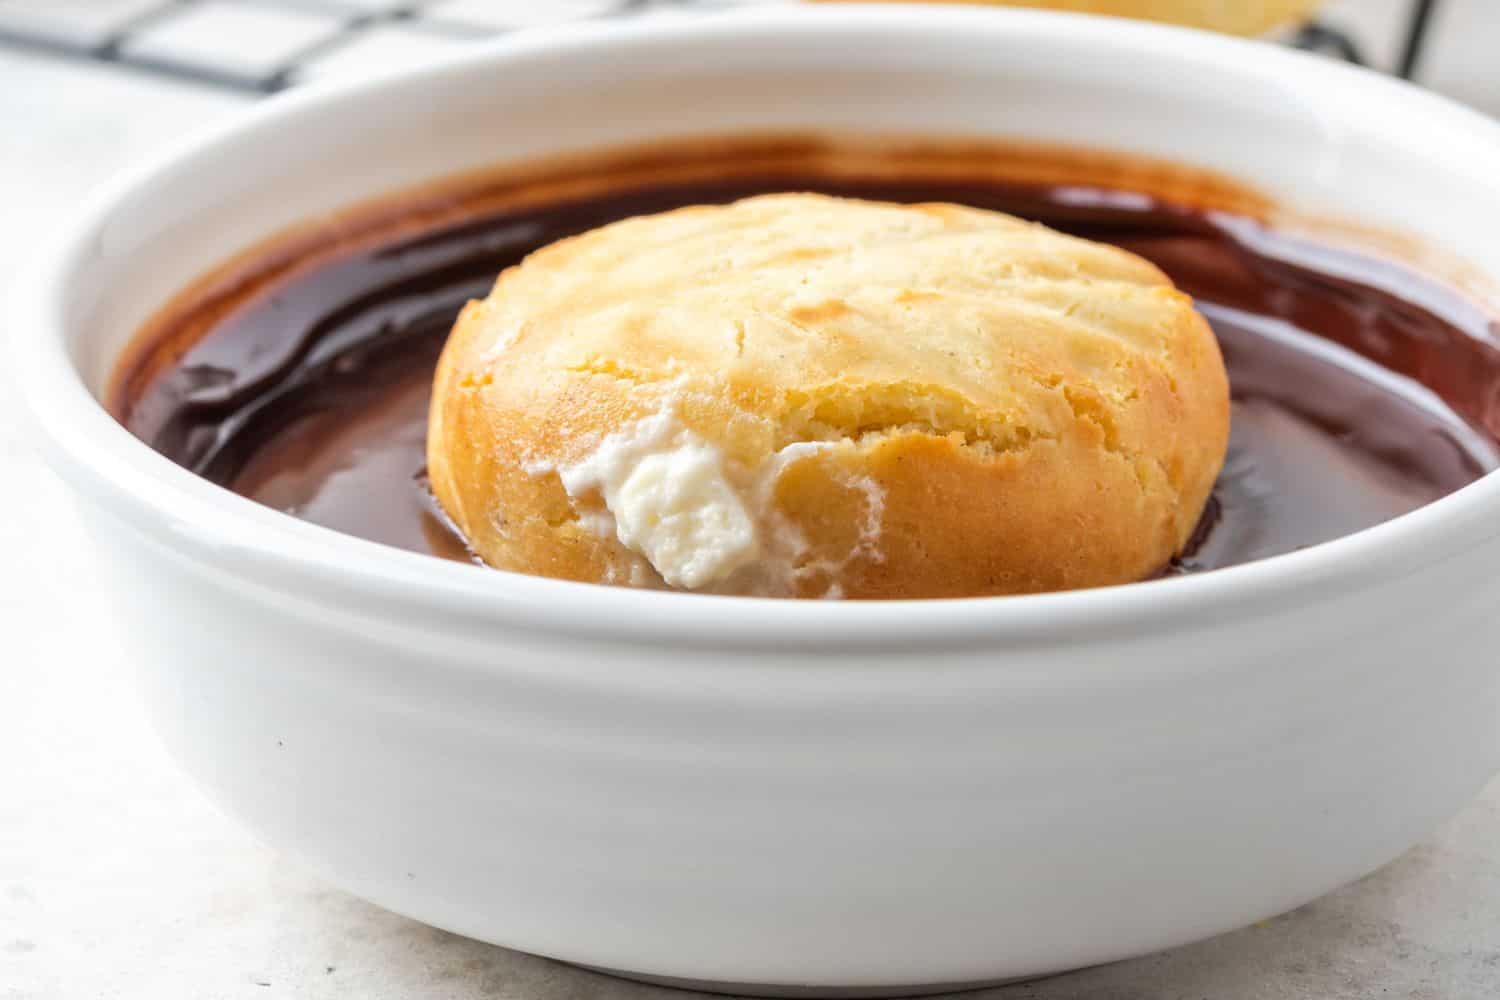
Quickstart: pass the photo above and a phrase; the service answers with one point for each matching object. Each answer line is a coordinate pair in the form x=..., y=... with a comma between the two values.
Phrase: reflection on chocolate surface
x=300, y=375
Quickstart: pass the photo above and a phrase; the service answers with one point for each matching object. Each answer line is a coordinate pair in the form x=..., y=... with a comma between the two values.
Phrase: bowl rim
x=220, y=530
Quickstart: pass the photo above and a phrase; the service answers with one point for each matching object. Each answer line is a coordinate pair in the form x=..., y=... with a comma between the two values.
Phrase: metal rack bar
x=1315, y=36
x=1416, y=37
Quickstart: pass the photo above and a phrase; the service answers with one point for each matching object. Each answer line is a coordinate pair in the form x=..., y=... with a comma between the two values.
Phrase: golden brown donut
x=797, y=395
x=1235, y=17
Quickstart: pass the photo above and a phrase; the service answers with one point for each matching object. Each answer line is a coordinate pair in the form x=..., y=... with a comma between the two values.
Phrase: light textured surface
x=510, y=14
x=238, y=41
x=377, y=49
x=81, y=24
x=119, y=882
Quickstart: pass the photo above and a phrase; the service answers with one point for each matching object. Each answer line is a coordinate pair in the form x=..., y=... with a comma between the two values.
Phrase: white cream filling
x=669, y=497
x=669, y=500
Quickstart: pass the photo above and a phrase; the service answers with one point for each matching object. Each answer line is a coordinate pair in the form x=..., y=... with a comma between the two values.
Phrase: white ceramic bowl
x=777, y=793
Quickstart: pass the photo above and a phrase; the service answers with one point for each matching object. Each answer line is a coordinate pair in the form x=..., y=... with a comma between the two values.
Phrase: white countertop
x=118, y=880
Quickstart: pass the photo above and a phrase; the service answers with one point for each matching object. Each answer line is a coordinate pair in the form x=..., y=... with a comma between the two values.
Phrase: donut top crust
x=923, y=400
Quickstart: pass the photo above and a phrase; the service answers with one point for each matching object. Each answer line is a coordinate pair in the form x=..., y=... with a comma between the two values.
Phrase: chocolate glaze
x=1362, y=389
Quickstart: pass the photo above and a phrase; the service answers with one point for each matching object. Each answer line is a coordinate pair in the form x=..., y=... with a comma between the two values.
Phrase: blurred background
x=260, y=46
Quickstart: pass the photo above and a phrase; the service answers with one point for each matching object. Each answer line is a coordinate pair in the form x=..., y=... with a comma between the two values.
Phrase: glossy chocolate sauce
x=1362, y=390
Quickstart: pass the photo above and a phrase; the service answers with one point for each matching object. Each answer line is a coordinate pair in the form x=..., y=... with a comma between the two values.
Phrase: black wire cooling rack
x=268, y=45
x=1319, y=37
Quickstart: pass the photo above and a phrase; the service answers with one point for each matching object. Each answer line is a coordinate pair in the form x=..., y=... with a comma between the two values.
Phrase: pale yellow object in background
x=1237, y=17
